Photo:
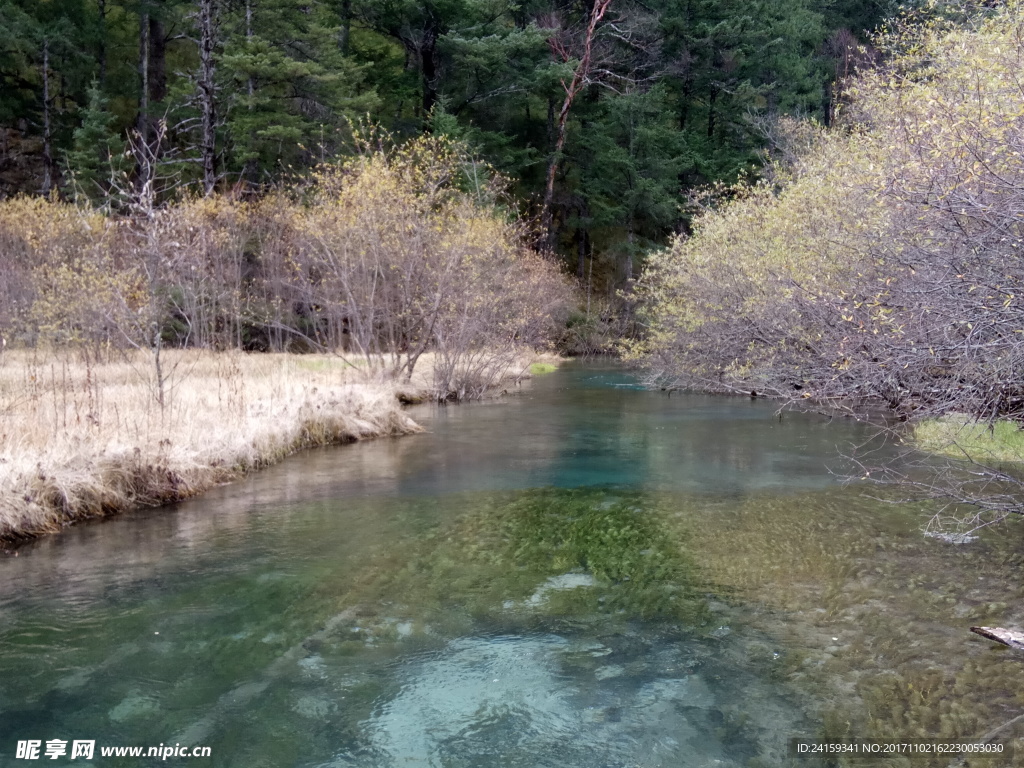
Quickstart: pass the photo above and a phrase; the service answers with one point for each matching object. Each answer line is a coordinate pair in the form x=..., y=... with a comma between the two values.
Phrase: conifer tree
x=95, y=152
x=289, y=86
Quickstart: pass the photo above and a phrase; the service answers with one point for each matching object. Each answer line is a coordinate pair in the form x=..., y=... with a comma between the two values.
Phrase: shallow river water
x=583, y=574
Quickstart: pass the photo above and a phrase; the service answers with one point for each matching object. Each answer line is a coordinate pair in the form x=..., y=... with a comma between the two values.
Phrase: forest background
x=604, y=115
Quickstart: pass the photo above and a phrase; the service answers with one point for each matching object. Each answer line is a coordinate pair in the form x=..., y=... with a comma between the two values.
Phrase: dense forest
x=603, y=113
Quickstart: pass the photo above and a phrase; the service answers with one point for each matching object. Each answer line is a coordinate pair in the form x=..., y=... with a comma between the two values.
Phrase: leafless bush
x=394, y=253
x=881, y=263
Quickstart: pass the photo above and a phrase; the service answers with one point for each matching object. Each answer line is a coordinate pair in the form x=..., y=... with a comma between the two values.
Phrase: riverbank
x=959, y=436
x=82, y=439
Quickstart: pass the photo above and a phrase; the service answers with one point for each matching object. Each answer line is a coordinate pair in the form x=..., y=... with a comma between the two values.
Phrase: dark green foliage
x=666, y=107
x=288, y=87
x=19, y=37
x=96, y=152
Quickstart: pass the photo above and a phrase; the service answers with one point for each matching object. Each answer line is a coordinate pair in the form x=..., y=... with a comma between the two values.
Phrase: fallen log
x=1014, y=638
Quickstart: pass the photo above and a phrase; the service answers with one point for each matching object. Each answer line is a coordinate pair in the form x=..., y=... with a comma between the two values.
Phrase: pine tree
x=291, y=86
x=19, y=34
x=96, y=152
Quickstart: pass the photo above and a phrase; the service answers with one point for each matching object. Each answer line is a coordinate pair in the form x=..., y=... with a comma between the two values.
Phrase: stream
x=581, y=574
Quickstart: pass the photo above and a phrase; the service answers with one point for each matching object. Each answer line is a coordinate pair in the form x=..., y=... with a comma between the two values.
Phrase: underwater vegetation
x=683, y=623
x=569, y=553
x=874, y=616
x=831, y=597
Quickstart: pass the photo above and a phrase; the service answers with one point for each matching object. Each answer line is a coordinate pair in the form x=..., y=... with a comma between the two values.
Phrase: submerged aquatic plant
x=616, y=538
x=539, y=555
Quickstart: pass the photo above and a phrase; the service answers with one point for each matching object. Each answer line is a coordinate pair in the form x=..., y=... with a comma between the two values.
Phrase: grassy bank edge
x=52, y=490
x=959, y=436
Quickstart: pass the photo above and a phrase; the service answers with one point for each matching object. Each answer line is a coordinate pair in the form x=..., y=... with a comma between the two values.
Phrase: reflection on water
x=586, y=574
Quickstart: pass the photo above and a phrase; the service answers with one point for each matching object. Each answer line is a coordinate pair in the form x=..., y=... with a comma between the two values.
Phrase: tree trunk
x=580, y=78
x=345, y=33
x=101, y=53
x=428, y=69
x=551, y=122
x=250, y=85
x=712, y=98
x=684, y=103
x=547, y=215
x=581, y=252
x=142, y=124
x=152, y=69
x=629, y=252
x=157, y=62
x=48, y=165
x=208, y=92
x=251, y=166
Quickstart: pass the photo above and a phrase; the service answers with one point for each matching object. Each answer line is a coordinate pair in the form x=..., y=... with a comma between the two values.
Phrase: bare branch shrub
x=882, y=263
x=394, y=253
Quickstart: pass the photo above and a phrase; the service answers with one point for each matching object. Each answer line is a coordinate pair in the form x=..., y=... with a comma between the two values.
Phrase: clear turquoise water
x=583, y=574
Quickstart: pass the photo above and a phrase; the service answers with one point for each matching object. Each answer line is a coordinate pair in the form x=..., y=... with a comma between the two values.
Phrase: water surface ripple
x=584, y=573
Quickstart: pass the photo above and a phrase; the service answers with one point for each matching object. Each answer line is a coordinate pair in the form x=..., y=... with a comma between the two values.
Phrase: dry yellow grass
x=81, y=439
